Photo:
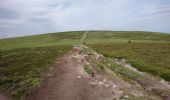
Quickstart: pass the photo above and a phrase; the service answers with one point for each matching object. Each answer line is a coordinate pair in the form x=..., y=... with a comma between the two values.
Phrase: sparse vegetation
x=21, y=69
x=88, y=70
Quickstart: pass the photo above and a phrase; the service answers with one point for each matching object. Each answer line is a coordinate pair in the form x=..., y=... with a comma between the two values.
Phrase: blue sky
x=27, y=17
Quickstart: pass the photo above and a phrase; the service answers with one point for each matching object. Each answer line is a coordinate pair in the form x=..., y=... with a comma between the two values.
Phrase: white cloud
x=38, y=16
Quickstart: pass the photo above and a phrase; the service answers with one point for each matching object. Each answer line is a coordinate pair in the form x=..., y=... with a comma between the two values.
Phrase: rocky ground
x=80, y=75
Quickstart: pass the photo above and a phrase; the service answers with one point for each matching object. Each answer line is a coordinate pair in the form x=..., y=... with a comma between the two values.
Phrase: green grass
x=23, y=60
x=126, y=74
x=153, y=58
x=123, y=36
x=51, y=39
x=88, y=70
x=21, y=69
x=148, y=51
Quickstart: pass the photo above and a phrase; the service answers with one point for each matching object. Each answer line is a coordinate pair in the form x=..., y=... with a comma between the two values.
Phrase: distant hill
x=73, y=37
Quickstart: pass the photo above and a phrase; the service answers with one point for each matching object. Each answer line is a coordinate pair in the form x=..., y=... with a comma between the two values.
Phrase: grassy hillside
x=24, y=59
x=148, y=57
x=147, y=51
x=109, y=36
x=61, y=38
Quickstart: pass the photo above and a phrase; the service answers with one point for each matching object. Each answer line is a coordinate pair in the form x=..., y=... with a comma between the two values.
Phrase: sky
x=28, y=17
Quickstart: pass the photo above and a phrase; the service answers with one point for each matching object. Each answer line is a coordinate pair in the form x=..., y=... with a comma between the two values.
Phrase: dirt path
x=68, y=81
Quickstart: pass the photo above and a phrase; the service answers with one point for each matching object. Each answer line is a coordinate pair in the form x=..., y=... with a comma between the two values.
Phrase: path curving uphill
x=70, y=80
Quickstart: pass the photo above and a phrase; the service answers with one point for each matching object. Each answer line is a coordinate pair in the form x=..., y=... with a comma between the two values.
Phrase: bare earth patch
x=68, y=81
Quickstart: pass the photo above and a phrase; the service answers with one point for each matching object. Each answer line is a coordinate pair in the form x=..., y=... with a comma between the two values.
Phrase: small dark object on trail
x=129, y=41
x=80, y=51
x=120, y=57
x=102, y=67
x=84, y=43
x=92, y=74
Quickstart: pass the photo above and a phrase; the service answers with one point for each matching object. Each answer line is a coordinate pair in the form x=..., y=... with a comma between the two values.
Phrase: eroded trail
x=68, y=81
x=83, y=74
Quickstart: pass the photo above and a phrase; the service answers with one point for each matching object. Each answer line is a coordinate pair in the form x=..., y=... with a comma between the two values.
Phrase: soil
x=4, y=97
x=68, y=81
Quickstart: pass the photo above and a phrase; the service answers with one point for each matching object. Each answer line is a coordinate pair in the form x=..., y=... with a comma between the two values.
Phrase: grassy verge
x=145, y=80
x=153, y=58
x=21, y=69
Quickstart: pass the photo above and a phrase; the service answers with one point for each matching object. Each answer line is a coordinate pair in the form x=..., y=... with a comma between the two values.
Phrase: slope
x=84, y=74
